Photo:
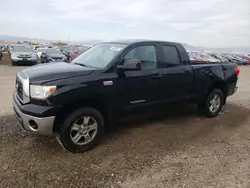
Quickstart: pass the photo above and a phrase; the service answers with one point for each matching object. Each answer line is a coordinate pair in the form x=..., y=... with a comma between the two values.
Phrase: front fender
x=69, y=93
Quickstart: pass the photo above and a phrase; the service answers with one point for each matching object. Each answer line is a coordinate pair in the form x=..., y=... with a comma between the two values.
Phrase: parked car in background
x=1, y=54
x=195, y=57
x=247, y=57
x=244, y=59
x=219, y=57
x=241, y=60
x=40, y=51
x=23, y=54
x=60, y=48
x=72, y=51
x=9, y=47
x=82, y=49
x=36, y=47
x=2, y=47
x=232, y=59
x=209, y=58
x=51, y=55
x=76, y=101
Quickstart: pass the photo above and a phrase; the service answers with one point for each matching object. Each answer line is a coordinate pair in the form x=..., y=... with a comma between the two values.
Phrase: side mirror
x=129, y=65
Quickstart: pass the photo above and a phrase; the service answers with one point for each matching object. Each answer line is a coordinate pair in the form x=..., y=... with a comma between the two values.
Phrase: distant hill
x=11, y=38
x=16, y=38
x=199, y=48
x=91, y=42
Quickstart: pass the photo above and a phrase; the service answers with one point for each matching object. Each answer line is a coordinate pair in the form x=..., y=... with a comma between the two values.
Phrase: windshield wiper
x=83, y=65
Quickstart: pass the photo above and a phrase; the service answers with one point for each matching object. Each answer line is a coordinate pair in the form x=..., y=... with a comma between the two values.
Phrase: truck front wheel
x=212, y=104
x=82, y=130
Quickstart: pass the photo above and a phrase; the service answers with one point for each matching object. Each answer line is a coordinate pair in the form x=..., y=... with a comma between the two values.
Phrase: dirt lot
x=168, y=150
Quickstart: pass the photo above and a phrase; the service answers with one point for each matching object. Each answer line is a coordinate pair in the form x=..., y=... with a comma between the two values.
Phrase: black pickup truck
x=76, y=101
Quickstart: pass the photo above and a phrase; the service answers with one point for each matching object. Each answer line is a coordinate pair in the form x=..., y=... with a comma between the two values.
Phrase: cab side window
x=171, y=56
x=146, y=54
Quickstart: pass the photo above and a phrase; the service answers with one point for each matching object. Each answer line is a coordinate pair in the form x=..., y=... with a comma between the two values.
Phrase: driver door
x=139, y=88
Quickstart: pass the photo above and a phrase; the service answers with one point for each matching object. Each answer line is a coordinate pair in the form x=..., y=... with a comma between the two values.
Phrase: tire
x=206, y=108
x=13, y=63
x=69, y=59
x=68, y=132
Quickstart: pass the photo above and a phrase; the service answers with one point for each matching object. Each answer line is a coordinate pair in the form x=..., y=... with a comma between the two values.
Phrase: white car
x=40, y=51
x=21, y=54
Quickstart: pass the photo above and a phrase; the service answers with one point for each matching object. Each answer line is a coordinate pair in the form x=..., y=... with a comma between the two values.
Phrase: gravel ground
x=167, y=149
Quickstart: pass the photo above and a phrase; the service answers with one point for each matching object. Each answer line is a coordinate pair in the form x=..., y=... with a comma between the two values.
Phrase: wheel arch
x=91, y=102
x=221, y=85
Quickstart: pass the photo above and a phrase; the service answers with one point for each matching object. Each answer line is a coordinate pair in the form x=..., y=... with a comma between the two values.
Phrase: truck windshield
x=100, y=55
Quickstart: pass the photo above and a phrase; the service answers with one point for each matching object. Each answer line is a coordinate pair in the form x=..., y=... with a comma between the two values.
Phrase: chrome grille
x=19, y=88
x=57, y=58
x=22, y=87
x=24, y=56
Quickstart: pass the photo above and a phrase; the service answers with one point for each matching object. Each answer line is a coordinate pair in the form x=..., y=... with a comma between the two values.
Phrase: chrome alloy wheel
x=214, y=103
x=83, y=130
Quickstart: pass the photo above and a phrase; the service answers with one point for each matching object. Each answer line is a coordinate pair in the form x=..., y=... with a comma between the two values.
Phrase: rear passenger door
x=177, y=77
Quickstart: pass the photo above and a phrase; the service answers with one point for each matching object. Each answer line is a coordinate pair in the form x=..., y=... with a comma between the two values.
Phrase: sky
x=209, y=23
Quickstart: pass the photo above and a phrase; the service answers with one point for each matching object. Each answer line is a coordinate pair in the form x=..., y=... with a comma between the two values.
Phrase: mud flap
x=59, y=141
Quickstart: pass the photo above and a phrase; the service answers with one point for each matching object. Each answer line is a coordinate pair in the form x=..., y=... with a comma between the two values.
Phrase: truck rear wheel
x=82, y=130
x=212, y=104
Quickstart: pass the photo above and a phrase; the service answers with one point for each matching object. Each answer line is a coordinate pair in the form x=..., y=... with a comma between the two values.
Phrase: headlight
x=41, y=92
x=14, y=56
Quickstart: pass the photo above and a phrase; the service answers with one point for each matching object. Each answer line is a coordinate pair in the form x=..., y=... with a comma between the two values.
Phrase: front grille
x=24, y=56
x=22, y=87
x=19, y=88
x=57, y=58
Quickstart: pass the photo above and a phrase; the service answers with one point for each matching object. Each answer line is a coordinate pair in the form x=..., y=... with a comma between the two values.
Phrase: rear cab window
x=171, y=56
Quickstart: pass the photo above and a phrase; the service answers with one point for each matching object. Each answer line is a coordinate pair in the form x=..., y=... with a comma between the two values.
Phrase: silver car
x=23, y=54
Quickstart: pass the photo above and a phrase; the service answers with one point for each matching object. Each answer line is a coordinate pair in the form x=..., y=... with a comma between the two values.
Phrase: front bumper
x=43, y=125
x=32, y=60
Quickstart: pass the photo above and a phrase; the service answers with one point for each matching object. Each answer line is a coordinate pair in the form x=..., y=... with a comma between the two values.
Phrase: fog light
x=33, y=124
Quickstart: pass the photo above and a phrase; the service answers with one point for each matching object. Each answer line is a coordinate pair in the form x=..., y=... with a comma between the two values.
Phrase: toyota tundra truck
x=77, y=101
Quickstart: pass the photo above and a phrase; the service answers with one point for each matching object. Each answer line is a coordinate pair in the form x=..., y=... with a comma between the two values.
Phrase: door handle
x=157, y=76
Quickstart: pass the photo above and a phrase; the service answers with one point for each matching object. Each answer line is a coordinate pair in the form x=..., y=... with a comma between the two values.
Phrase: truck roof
x=134, y=41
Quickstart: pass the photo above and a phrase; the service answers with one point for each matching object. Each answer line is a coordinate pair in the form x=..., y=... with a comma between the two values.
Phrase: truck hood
x=54, y=71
